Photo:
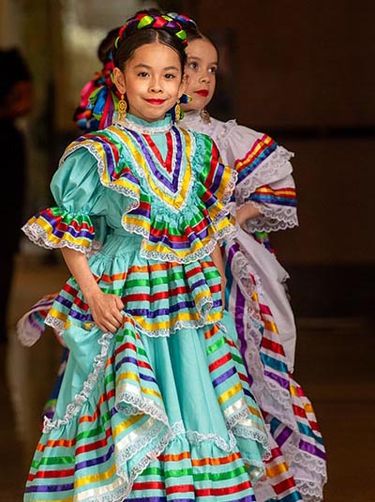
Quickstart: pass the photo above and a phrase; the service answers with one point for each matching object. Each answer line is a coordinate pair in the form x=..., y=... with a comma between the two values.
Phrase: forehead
x=155, y=55
x=202, y=49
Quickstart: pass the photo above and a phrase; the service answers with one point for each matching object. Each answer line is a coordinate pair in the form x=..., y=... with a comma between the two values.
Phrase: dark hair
x=99, y=97
x=133, y=38
x=191, y=29
x=15, y=70
x=130, y=44
x=106, y=46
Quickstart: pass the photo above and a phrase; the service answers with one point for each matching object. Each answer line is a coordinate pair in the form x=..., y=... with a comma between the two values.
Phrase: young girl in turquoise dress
x=155, y=403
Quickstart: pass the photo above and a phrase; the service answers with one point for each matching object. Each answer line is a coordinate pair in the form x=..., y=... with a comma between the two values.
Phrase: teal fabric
x=168, y=391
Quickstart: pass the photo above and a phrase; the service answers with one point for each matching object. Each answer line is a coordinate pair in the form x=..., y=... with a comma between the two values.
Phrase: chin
x=198, y=103
x=155, y=115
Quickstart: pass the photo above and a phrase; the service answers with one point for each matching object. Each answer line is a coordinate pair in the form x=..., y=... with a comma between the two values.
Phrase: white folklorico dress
x=258, y=300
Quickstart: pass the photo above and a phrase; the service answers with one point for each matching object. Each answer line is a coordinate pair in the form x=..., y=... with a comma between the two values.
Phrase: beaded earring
x=177, y=111
x=122, y=107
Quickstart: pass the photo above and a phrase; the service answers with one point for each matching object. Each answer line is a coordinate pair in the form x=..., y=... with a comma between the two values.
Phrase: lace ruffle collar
x=143, y=126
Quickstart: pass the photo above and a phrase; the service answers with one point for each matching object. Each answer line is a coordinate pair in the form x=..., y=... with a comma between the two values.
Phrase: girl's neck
x=192, y=116
x=141, y=125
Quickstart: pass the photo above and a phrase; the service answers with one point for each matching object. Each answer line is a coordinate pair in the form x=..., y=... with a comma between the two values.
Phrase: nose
x=204, y=78
x=155, y=85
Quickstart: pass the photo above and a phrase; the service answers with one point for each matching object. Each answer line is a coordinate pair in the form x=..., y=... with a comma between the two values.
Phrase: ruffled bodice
x=155, y=198
x=264, y=171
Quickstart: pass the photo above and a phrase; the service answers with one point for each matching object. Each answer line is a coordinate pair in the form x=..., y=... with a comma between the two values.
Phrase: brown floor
x=334, y=365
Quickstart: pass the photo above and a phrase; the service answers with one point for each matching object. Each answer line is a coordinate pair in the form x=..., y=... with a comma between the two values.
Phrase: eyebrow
x=142, y=65
x=200, y=59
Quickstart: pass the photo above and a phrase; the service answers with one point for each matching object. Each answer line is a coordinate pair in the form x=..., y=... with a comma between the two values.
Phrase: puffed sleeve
x=78, y=194
x=264, y=178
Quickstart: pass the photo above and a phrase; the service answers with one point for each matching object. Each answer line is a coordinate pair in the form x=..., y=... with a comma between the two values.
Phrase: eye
x=213, y=69
x=193, y=65
x=170, y=76
x=142, y=74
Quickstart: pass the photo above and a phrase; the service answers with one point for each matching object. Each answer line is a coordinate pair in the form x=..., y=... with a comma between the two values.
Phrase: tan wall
x=302, y=65
x=299, y=63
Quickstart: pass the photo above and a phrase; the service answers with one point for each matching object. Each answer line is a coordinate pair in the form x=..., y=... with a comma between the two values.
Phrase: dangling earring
x=205, y=116
x=177, y=111
x=122, y=107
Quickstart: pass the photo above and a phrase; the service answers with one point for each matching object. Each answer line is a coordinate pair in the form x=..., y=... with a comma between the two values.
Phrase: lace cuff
x=260, y=169
x=56, y=228
x=271, y=219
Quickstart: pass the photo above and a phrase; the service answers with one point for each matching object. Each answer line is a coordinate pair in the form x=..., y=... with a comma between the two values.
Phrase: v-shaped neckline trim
x=170, y=181
x=174, y=189
x=167, y=162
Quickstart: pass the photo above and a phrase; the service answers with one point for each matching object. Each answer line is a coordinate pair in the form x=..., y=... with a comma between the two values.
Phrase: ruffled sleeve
x=78, y=194
x=264, y=178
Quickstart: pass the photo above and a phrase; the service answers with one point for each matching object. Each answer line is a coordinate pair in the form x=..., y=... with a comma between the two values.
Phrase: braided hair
x=99, y=97
x=145, y=27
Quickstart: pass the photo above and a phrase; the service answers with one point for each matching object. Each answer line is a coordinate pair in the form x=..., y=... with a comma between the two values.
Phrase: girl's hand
x=106, y=311
x=246, y=212
x=105, y=308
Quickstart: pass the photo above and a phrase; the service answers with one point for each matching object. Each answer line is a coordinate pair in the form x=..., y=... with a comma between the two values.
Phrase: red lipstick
x=202, y=92
x=154, y=101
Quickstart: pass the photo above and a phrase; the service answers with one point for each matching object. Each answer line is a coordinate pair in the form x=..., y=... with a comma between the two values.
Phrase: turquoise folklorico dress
x=161, y=410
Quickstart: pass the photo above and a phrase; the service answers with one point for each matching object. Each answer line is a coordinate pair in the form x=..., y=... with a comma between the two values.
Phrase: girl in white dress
x=264, y=201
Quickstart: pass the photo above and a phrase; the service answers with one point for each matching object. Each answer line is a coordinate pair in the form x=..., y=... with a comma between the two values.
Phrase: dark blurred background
x=301, y=71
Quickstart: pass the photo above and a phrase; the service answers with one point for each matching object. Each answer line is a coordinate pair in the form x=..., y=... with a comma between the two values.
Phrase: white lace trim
x=311, y=491
x=39, y=236
x=101, y=170
x=269, y=394
x=122, y=492
x=75, y=406
x=174, y=431
x=230, y=186
x=205, y=250
x=272, y=218
x=218, y=236
x=224, y=135
x=59, y=326
x=133, y=126
x=135, y=229
x=272, y=169
x=55, y=323
x=243, y=275
x=234, y=423
x=195, y=437
x=132, y=404
x=304, y=460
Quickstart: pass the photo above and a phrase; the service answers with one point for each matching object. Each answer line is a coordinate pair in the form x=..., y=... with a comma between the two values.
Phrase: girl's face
x=152, y=81
x=200, y=71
